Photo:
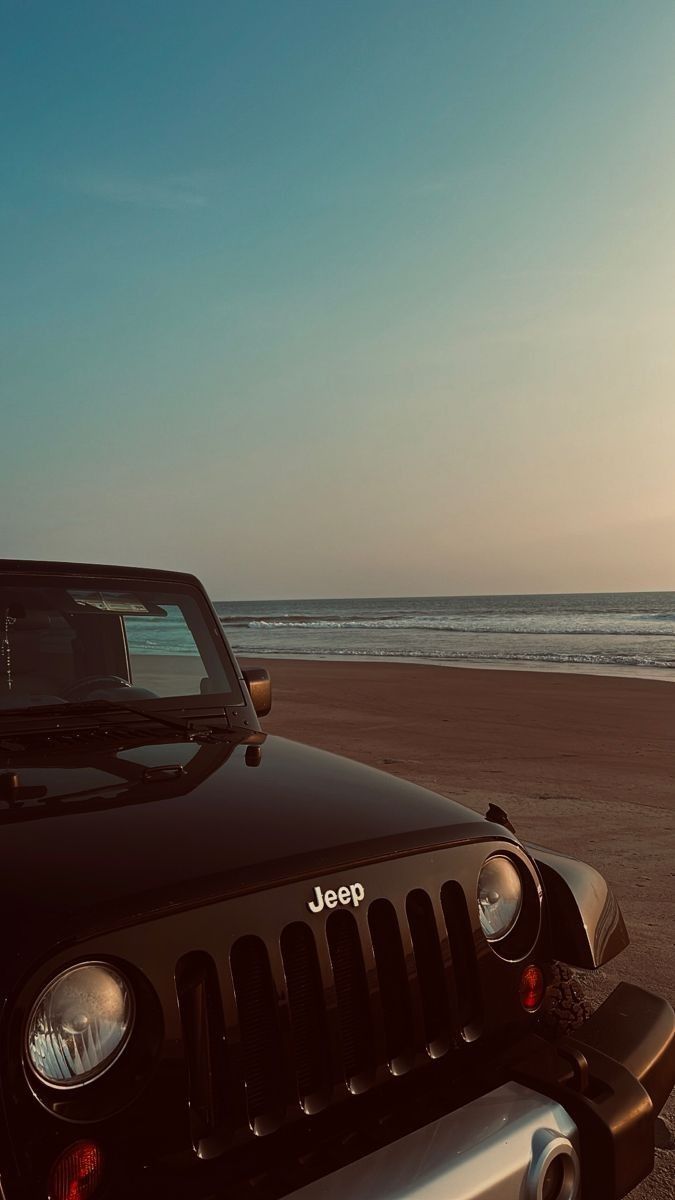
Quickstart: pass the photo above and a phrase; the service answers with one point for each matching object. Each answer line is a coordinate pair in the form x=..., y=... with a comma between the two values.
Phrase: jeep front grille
x=355, y=1022
x=323, y=1010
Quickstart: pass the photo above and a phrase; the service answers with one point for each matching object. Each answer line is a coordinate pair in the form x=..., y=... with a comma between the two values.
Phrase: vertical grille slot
x=262, y=1054
x=351, y=990
x=204, y=1039
x=393, y=982
x=308, y=1016
x=430, y=972
x=460, y=934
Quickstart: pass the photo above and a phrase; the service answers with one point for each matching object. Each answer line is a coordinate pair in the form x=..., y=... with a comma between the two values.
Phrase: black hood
x=91, y=841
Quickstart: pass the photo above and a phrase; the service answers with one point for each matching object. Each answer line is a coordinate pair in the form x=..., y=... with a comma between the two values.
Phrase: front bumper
x=589, y=1101
x=499, y=1147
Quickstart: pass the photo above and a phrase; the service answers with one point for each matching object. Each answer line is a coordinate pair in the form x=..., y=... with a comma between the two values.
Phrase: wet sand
x=584, y=764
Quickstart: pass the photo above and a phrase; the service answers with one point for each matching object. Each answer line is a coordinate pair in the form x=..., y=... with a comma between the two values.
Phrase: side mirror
x=259, y=684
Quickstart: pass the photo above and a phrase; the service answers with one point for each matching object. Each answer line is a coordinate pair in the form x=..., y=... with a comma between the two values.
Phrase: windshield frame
x=75, y=578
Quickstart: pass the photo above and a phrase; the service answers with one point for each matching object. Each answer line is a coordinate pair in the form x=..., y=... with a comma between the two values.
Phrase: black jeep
x=236, y=967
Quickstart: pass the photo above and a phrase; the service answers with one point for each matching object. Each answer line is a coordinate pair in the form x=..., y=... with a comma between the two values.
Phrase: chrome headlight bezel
x=510, y=876
x=82, y=1079
x=516, y=941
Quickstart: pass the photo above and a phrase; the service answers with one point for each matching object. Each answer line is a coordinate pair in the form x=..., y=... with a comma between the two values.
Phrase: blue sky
x=341, y=298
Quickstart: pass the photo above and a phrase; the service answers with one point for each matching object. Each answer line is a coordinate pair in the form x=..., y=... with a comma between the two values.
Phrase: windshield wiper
x=206, y=731
x=68, y=709
x=111, y=706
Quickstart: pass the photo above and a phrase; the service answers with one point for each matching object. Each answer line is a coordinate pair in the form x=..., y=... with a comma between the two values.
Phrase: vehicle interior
x=61, y=646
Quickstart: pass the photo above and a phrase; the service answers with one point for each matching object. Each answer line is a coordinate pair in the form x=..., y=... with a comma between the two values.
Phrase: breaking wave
x=539, y=626
x=599, y=659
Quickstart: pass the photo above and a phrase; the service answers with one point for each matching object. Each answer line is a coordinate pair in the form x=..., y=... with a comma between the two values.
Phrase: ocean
x=609, y=633
x=624, y=633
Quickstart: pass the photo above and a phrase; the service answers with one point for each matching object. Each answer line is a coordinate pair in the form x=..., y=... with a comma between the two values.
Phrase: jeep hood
x=90, y=842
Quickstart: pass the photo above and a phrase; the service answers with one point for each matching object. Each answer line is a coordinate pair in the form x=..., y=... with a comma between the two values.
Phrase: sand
x=584, y=764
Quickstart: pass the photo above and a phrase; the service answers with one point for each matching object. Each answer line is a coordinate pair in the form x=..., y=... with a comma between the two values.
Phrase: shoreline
x=601, y=670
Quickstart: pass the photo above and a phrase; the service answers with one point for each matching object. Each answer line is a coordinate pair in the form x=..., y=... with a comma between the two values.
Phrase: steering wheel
x=81, y=689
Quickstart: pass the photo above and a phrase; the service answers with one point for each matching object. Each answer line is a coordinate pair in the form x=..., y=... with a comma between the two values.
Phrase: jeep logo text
x=353, y=894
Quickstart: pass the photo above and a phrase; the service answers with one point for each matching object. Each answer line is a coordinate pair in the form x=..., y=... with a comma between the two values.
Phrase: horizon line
x=448, y=596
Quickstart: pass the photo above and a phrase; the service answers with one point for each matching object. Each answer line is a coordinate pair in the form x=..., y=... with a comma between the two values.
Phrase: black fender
x=585, y=921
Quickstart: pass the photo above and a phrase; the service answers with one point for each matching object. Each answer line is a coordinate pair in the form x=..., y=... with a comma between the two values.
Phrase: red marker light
x=531, y=989
x=77, y=1172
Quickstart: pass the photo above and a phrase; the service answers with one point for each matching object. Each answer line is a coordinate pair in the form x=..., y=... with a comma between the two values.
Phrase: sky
x=340, y=297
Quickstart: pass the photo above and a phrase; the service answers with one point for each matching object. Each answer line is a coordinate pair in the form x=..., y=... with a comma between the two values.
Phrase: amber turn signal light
x=531, y=989
x=77, y=1172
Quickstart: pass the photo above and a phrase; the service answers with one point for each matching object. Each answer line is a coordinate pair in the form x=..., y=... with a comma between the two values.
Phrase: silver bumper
x=499, y=1147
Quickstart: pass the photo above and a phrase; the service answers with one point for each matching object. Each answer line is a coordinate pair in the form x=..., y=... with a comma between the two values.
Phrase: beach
x=583, y=764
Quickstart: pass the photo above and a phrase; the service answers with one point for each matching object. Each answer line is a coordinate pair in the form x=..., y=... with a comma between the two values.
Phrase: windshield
x=83, y=640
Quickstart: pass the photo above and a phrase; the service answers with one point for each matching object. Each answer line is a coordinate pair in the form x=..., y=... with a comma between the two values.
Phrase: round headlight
x=500, y=896
x=79, y=1024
